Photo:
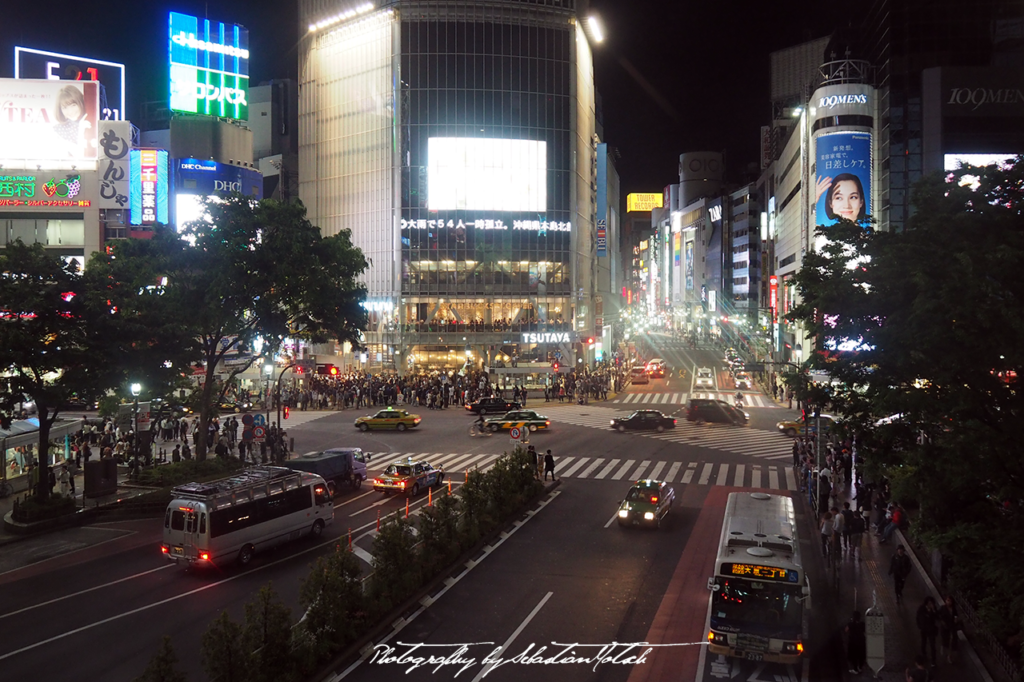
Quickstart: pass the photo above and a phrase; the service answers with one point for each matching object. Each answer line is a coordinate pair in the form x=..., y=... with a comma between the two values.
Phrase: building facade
x=458, y=145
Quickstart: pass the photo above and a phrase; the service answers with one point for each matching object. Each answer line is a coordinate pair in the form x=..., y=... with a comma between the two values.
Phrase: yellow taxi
x=389, y=420
x=796, y=427
x=408, y=477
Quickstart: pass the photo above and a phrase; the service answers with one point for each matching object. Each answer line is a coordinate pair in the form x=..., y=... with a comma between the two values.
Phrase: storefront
x=20, y=444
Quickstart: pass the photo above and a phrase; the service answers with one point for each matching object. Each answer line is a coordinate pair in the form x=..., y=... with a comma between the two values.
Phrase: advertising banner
x=209, y=67
x=149, y=186
x=688, y=277
x=602, y=200
x=45, y=189
x=30, y=63
x=48, y=120
x=677, y=240
x=644, y=202
x=113, y=170
x=843, y=186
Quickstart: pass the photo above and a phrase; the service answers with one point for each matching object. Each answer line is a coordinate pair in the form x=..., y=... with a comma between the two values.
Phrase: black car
x=492, y=406
x=644, y=420
x=704, y=410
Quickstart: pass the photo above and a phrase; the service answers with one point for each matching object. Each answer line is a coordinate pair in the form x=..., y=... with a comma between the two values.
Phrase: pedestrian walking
x=532, y=451
x=838, y=530
x=928, y=626
x=858, y=524
x=899, y=569
x=826, y=528
x=949, y=625
x=64, y=486
x=856, y=643
x=549, y=466
x=847, y=524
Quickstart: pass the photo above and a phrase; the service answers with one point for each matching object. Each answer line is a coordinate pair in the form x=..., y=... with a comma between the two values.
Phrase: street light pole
x=136, y=390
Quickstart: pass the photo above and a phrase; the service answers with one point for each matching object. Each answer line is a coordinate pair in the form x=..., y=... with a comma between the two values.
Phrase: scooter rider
x=480, y=424
x=738, y=398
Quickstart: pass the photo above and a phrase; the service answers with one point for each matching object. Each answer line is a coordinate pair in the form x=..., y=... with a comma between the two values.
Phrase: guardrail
x=980, y=631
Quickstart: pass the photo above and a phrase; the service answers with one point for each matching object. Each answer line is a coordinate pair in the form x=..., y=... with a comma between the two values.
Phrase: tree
x=396, y=566
x=439, y=528
x=332, y=596
x=932, y=378
x=163, y=667
x=234, y=285
x=268, y=635
x=51, y=340
x=225, y=657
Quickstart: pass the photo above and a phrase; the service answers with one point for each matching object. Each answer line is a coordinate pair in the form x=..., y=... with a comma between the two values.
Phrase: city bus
x=759, y=587
x=230, y=519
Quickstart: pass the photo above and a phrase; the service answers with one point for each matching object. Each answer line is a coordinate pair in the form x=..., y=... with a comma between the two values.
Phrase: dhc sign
x=545, y=337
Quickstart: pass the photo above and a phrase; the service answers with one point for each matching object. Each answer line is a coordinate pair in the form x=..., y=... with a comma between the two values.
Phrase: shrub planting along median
x=340, y=605
x=31, y=509
x=167, y=475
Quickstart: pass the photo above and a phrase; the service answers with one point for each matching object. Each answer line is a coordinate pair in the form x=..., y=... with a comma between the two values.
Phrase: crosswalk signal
x=299, y=369
x=590, y=342
x=287, y=411
x=334, y=371
x=554, y=366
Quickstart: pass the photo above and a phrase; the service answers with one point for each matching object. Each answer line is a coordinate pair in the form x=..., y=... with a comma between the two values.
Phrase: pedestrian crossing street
x=773, y=476
x=681, y=398
x=741, y=440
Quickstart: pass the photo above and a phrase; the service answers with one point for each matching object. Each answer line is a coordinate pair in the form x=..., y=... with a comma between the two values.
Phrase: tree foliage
x=396, y=565
x=267, y=633
x=332, y=596
x=238, y=281
x=163, y=667
x=932, y=382
x=223, y=651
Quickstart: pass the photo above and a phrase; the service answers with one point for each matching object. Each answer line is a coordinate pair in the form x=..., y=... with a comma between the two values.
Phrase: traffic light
x=554, y=366
x=287, y=410
x=333, y=370
x=326, y=369
x=299, y=369
x=590, y=342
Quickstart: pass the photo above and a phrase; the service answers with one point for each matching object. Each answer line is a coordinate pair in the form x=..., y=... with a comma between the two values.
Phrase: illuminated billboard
x=483, y=174
x=209, y=67
x=644, y=202
x=148, y=199
x=843, y=186
x=195, y=179
x=49, y=190
x=48, y=120
x=952, y=162
x=30, y=63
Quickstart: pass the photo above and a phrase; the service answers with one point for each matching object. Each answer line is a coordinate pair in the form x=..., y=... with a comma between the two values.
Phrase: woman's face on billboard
x=847, y=201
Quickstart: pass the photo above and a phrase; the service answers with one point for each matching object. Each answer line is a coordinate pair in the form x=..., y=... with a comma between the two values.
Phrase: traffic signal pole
x=277, y=392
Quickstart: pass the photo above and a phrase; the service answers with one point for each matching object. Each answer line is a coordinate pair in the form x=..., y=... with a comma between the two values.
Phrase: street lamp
x=136, y=390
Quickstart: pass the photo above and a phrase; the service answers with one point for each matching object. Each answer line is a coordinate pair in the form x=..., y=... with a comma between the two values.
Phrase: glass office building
x=457, y=142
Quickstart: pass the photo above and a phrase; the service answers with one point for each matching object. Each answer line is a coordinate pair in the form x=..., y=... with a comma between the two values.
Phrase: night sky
x=674, y=75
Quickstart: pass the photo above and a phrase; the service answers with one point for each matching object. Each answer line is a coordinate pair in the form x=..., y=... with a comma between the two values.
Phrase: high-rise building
x=457, y=143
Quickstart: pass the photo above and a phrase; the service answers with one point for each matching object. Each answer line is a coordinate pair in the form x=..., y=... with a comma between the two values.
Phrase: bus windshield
x=757, y=602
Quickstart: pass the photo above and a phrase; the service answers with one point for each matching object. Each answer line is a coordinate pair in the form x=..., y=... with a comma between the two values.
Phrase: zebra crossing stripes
x=601, y=468
x=648, y=398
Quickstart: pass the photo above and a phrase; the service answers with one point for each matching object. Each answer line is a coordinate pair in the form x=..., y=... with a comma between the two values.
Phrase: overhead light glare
x=595, y=29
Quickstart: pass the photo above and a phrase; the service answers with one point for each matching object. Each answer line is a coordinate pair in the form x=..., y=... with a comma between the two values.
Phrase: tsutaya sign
x=546, y=337
x=489, y=224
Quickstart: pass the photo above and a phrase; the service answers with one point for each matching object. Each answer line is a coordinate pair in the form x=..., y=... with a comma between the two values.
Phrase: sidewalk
x=865, y=583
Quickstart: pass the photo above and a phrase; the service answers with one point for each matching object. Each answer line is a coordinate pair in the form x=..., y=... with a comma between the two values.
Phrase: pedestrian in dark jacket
x=549, y=466
x=928, y=626
x=899, y=569
x=856, y=643
x=949, y=624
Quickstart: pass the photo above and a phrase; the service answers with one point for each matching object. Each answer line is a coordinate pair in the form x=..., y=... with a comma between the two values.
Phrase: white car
x=705, y=378
x=743, y=381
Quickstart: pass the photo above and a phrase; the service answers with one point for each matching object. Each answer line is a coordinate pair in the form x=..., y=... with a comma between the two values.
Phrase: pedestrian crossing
x=681, y=398
x=773, y=476
x=741, y=440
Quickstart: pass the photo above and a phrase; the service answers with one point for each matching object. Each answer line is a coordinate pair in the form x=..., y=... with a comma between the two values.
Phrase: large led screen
x=481, y=174
x=48, y=120
x=209, y=67
x=843, y=186
x=952, y=162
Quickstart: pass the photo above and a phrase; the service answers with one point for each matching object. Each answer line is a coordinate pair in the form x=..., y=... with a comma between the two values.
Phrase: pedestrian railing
x=980, y=631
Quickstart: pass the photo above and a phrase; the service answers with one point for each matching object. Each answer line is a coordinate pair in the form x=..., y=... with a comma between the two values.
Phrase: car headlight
x=612, y=422
x=649, y=516
x=623, y=513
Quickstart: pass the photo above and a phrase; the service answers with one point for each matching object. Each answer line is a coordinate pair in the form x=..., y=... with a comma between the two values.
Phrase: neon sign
x=541, y=226
x=17, y=186
x=148, y=190
x=209, y=67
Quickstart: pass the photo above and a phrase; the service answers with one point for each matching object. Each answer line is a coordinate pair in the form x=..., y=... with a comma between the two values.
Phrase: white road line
x=575, y=467
x=563, y=462
x=460, y=462
x=613, y=519
x=773, y=478
x=738, y=478
x=607, y=469
x=622, y=470
x=647, y=398
x=357, y=497
x=688, y=476
x=657, y=470
x=590, y=469
x=755, y=476
x=705, y=474
x=790, y=479
x=723, y=475
x=640, y=470
x=362, y=554
x=522, y=626
x=672, y=471
x=86, y=591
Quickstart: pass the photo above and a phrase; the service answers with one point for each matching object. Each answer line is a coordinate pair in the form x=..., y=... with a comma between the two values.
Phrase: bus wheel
x=318, y=528
x=246, y=554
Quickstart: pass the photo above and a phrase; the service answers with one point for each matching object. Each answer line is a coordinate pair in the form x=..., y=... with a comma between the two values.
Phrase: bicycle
x=476, y=430
x=5, y=489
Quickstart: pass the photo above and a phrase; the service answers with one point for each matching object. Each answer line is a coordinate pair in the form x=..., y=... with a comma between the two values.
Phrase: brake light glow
x=205, y=556
x=674, y=422
x=799, y=647
x=402, y=484
x=654, y=499
x=165, y=549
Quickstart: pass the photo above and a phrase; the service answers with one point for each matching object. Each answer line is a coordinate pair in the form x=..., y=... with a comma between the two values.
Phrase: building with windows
x=457, y=142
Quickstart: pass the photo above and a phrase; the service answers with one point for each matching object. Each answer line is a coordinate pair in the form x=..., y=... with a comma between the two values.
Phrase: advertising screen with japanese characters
x=843, y=177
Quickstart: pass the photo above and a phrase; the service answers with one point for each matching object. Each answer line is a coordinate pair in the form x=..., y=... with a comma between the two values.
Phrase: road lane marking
x=613, y=519
x=623, y=469
x=723, y=475
x=755, y=476
x=590, y=469
x=657, y=470
x=773, y=478
x=86, y=591
x=705, y=474
x=366, y=509
x=790, y=479
x=690, y=470
x=607, y=469
x=738, y=479
x=578, y=465
x=672, y=471
x=358, y=497
x=512, y=637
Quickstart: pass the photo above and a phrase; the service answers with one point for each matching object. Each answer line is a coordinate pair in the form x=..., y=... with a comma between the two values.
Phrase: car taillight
x=674, y=422
x=205, y=556
x=547, y=423
x=402, y=484
x=654, y=499
x=165, y=549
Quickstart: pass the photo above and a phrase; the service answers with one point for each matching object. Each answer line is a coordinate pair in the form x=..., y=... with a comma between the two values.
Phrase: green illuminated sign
x=17, y=186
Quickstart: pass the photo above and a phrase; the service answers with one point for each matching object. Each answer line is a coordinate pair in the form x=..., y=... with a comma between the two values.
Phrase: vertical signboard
x=602, y=200
x=773, y=294
x=688, y=265
x=209, y=67
x=114, y=175
x=843, y=185
x=148, y=186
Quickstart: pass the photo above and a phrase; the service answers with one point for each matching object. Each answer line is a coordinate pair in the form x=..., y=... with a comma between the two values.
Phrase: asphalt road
x=93, y=603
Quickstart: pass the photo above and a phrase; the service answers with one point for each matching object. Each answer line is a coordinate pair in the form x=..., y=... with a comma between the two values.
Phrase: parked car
x=334, y=465
x=648, y=502
x=409, y=477
x=705, y=410
x=493, y=405
x=638, y=375
x=388, y=420
x=644, y=420
x=527, y=418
